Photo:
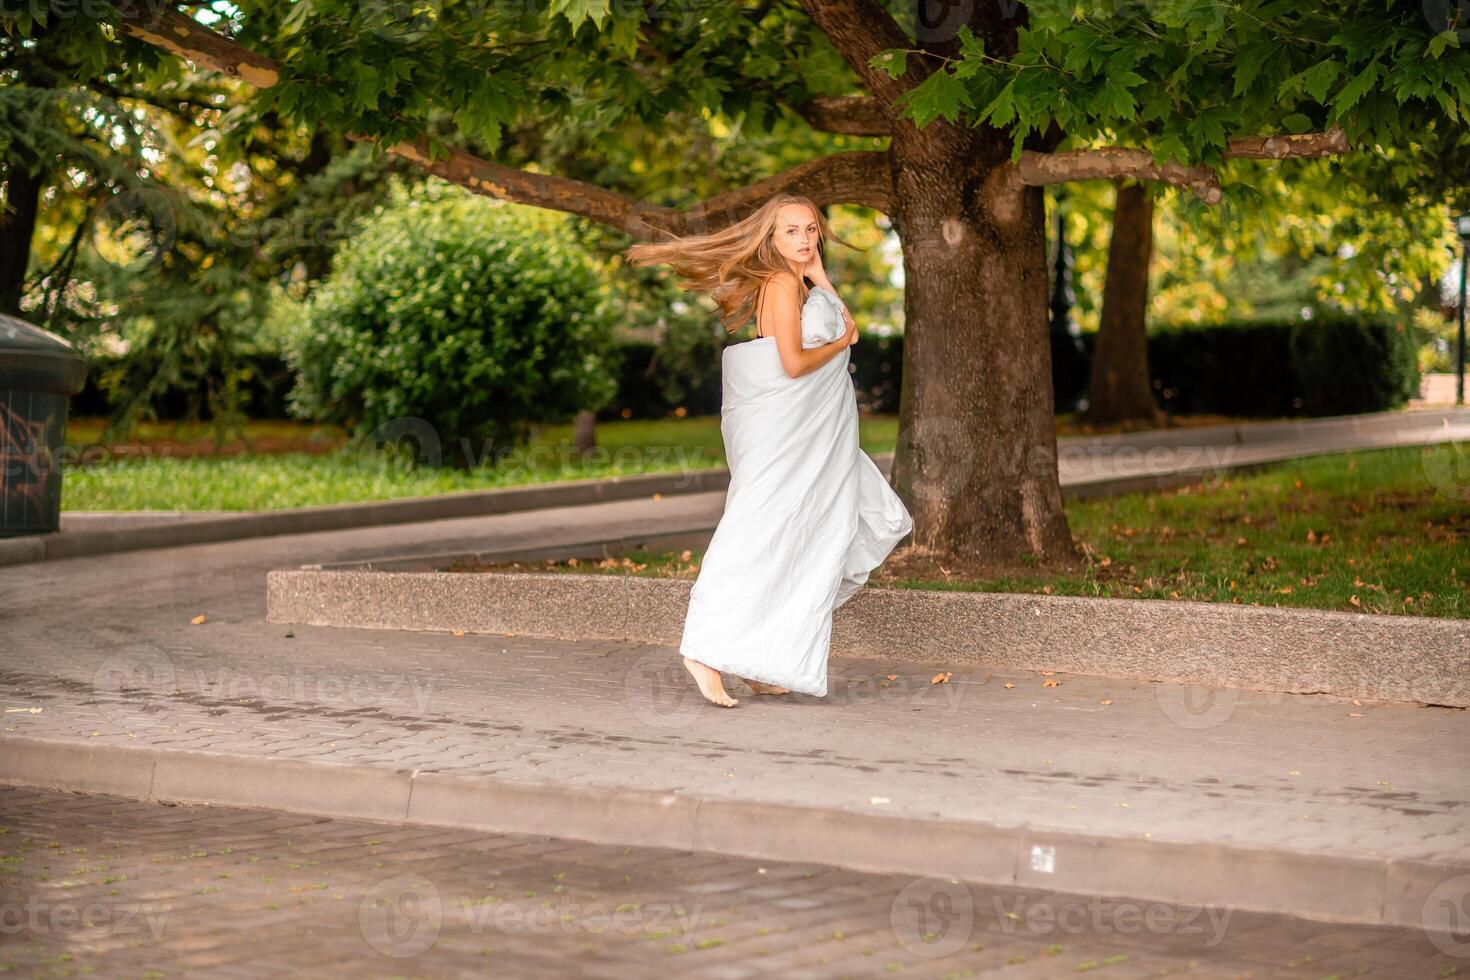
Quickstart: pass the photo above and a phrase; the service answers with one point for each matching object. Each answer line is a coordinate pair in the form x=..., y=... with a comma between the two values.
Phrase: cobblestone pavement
x=106, y=887
x=102, y=649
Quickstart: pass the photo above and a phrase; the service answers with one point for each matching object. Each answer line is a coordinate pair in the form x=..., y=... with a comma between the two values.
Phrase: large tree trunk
x=977, y=455
x=976, y=461
x=1118, y=387
x=17, y=225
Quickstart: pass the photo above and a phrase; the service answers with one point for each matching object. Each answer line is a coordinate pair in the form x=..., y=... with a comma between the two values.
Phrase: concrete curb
x=175, y=531
x=371, y=513
x=1219, y=645
x=1345, y=888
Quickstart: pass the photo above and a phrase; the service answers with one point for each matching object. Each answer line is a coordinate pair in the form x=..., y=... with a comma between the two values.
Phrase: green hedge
x=1305, y=367
x=1317, y=367
x=265, y=383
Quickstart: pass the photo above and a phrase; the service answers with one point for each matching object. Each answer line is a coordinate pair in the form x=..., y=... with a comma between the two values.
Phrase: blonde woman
x=807, y=514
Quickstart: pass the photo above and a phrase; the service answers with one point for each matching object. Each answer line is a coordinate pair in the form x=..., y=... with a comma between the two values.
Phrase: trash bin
x=39, y=372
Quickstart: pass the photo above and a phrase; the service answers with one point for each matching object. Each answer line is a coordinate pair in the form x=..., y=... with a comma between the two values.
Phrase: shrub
x=1326, y=366
x=480, y=318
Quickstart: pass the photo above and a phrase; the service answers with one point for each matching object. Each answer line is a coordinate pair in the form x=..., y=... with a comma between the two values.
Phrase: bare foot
x=761, y=687
x=710, y=683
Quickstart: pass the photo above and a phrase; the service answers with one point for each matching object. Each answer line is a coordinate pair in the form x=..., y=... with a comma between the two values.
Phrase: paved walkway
x=109, y=887
x=101, y=650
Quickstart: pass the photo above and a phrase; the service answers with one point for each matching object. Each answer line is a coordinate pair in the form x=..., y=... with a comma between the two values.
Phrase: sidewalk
x=1305, y=804
x=1088, y=467
x=225, y=892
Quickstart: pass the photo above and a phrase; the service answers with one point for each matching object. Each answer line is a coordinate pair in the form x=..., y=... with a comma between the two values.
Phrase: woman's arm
x=816, y=271
x=783, y=321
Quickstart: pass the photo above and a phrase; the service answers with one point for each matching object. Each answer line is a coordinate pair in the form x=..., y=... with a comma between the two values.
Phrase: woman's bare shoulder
x=784, y=281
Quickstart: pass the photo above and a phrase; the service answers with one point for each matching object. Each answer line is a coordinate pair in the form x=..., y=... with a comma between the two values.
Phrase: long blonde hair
x=731, y=264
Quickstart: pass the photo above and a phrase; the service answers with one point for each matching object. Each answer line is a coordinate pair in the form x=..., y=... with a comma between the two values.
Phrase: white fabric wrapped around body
x=808, y=515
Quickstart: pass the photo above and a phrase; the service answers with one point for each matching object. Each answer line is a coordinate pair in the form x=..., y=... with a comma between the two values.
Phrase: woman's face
x=796, y=233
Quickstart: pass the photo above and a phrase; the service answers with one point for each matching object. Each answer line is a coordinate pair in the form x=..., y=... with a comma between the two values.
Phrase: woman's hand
x=852, y=330
x=814, y=269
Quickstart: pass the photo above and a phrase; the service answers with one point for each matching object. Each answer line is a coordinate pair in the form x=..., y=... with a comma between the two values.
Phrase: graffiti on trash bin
x=22, y=439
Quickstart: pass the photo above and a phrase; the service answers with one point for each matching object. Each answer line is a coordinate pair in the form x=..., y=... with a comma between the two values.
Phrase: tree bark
x=976, y=462
x=584, y=432
x=1119, y=389
x=17, y=226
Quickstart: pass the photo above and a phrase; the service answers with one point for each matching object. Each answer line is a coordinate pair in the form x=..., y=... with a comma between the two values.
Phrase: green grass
x=177, y=468
x=275, y=464
x=1383, y=531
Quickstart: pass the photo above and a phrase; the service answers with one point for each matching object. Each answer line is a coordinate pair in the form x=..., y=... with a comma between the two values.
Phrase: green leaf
x=577, y=11
x=1317, y=79
x=292, y=22
x=1355, y=89
x=625, y=35
x=941, y=94
x=1442, y=40
x=1117, y=100
x=1002, y=109
x=1248, y=65
x=1314, y=81
x=894, y=61
x=971, y=46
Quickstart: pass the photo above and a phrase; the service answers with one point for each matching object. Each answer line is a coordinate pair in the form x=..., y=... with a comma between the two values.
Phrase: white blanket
x=807, y=514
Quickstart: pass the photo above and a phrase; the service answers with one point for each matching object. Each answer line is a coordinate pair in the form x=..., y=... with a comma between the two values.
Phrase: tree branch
x=1298, y=146
x=185, y=37
x=859, y=30
x=844, y=178
x=1035, y=169
x=851, y=115
x=859, y=177
x=1110, y=162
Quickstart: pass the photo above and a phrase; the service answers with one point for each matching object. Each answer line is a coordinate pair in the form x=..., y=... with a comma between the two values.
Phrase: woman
x=807, y=514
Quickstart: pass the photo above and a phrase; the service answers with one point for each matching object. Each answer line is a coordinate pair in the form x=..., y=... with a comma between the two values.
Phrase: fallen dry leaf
x=1051, y=682
x=197, y=620
x=1107, y=701
x=892, y=677
x=941, y=678
x=1010, y=685
x=459, y=632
